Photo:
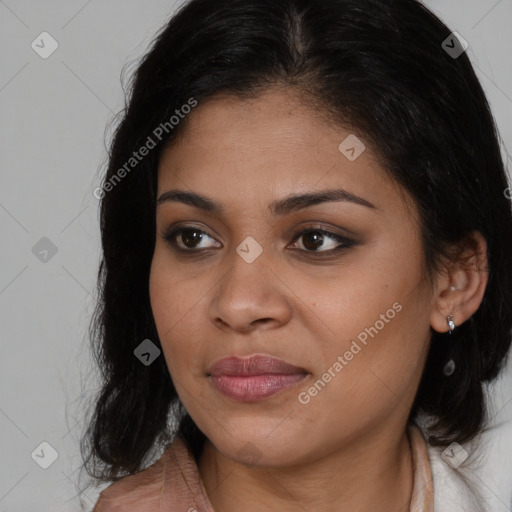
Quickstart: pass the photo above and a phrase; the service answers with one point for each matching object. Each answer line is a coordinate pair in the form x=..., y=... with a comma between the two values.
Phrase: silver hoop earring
x=449, y=367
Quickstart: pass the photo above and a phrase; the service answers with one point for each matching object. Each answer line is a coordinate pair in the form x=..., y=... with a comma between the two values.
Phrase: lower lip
x=254, y=387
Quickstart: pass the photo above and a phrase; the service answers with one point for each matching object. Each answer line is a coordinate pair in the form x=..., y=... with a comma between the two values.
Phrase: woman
x=306, y=278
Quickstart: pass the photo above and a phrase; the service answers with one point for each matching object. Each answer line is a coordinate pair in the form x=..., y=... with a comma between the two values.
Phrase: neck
x=374, y=473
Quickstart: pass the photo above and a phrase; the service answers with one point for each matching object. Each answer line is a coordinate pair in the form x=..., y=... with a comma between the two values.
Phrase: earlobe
x=461, y=291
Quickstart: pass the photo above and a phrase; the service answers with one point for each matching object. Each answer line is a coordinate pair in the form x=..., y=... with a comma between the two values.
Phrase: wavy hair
x=378, y=67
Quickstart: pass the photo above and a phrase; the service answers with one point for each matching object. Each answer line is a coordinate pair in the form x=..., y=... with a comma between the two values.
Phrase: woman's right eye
x=188, y=238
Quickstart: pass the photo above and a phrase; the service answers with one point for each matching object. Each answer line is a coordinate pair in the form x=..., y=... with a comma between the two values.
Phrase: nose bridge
x=248, y=278
x=249, y=290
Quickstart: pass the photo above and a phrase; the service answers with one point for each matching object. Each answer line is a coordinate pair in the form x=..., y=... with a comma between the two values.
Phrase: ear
x=460, y=288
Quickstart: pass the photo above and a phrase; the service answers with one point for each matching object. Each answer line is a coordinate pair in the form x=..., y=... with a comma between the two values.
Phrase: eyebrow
x=281, y=207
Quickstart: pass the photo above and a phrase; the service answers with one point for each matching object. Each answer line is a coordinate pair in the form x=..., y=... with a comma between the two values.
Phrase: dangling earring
x=449, y=367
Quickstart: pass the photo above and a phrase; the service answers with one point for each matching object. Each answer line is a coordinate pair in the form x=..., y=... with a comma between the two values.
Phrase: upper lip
x=258, y=364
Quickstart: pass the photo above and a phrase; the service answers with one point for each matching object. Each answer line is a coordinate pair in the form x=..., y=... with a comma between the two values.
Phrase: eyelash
x=170, y=237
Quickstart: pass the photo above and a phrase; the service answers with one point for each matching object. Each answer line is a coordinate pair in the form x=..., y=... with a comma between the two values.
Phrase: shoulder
x=453, y=489
x=172, y=481
x=139, y=492
x=448, y=472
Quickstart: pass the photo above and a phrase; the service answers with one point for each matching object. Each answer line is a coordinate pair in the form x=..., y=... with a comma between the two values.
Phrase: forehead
x=275, y=119
x=270, y=146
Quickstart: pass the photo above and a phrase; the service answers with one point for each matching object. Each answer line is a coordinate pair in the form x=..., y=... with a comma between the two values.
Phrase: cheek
x=173, y=295
x=376, y=317
x=172, y=305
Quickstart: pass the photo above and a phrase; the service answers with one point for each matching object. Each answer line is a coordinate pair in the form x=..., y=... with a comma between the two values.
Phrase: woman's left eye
x=315, y=240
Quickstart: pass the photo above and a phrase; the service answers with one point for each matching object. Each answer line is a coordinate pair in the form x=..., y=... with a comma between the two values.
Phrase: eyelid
x=345, y=242
x=170, y=234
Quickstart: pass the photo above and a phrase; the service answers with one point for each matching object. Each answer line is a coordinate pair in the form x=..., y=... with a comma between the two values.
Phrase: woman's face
x=351, y=315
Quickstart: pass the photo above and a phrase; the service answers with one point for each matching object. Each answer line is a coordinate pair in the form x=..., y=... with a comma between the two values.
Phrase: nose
x=250, y=296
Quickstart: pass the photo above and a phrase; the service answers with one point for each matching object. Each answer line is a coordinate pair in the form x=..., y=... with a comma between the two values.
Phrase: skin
x=347, y=446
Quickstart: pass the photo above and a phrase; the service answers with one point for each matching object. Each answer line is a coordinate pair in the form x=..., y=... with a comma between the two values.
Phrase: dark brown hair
x=376, y=66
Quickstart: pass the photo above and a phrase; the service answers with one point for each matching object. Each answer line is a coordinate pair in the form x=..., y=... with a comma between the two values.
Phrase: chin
x=258, y=447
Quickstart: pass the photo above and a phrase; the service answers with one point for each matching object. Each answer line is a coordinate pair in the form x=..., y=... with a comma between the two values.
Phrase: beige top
x=173, y=483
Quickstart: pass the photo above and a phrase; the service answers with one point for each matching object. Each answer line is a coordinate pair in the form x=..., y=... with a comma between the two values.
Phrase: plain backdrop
x=54, y=112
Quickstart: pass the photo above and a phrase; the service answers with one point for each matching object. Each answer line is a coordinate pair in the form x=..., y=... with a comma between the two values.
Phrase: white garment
x=451, y=492
x=470, y=486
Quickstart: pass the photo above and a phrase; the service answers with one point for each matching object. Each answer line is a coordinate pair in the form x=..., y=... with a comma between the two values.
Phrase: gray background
x=52, y=144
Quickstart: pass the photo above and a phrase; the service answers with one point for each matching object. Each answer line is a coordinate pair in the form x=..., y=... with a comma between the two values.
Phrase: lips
x=255, y=365
x=254, y=378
